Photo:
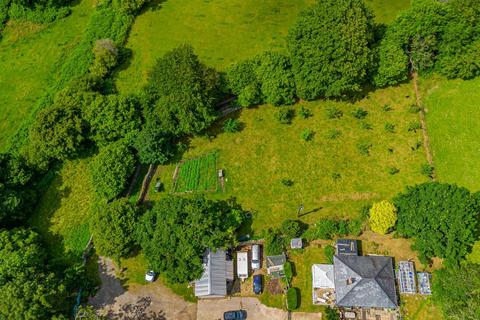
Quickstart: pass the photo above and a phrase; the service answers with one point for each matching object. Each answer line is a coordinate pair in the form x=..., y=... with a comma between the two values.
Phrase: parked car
x=257, y=284
x=235, y=315
x=256, y=260
x=150, y=276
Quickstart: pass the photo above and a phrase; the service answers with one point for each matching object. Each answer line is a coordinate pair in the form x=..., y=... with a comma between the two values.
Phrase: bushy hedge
x=327, y=229
x=292, y=298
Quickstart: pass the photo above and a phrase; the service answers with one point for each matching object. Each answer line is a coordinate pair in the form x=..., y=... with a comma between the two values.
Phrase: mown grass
x=387, y=10
x=29, y=57
x=222, y=32
x=452, y=121
x=63, y=213
x=331, y=177
x=418, y=307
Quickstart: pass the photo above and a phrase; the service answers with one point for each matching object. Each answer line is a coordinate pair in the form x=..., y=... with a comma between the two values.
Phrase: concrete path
x=213, y=309
x=146, y=302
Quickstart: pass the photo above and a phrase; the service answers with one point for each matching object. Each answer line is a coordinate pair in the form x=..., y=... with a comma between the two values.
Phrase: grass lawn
x=452, y=121
x=330, y=176
x=222, y=32
x=29, y=54
x=387, y=10
x=302, y=261
x=64, y=210
x=418, y=307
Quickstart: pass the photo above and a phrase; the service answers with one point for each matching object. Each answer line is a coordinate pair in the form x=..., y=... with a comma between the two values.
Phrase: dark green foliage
x=336, y=176
x=333, y=134
x=414, y=108
x=393, y=170
x=389, y=127
x=414, y=126
x=58, y=133
x=365, y=125
x=113, y=228
x=455, y=291
x=364, y=148
x=329, y=252
x=442, y=219
x=106, y=56
x=285, y=115
x=392, y=61
x=186, y=228
x=288, y=270
x=153, y=145
x=27, y=290
x=273, y=242
x=387, y=108
x=292, y=298
x=274, y=72
x=334, y=113
x=359, y=113
x=231, y=125
x=17, y=193
x=243, y=82
x=184, y=92
x=292, y=228
x=331, y=314
x=125, y=6
x=287, y=182
x=305, y=113
x=113, y=117
x=427, y=170
x=111, y=168
x=307, y=134
x=36, y=11
x=326, y=229
x=330, y=48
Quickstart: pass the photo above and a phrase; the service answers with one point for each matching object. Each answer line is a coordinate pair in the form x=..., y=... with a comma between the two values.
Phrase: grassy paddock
x=64, y=210
x=452, y=121
x=387, y=10
x=331, y=177
x=29, y=57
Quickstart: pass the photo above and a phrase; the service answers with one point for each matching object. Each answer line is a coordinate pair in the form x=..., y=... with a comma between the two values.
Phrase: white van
x=256, y=261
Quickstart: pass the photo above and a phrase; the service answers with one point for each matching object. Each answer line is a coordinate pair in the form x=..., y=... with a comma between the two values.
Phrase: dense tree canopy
x=113, y=117
x=113, y=228
x=111, y=168
x=27, y=291
x=175, y=233
x=184, y=92
x=154, y=146
x=243, y=82
x=441, y=218
x=330, y=48
x=455, y=290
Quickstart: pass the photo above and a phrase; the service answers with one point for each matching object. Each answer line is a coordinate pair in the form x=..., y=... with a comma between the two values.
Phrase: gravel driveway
x=213, y=309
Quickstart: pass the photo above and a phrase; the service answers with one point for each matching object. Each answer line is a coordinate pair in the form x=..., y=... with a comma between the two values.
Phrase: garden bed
x=196, y=175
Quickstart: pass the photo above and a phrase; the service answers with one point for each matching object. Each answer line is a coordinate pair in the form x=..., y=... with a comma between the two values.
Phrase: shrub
x=355, y=227
x=336, y=176
x=414, y=126
x=307, y=134
x=389, y=127
x=243, y=82
x=231, y=125
x=387, y=108
x=474, y=255
x=331, y=314
x=364, y=148
x=288, y=270
x=393, y=170
x=334, y=113
x=292, y=228
x=106, y=55
x=427, y=170
x=383, y=216
x=292, y=298
x=273, y=242
x=285, y=115
x=324, y=229
x=414, y=109
x=365, y=125
x=333, y=134
x=304, y=113
x=359, y=113
x=287, y=182
x=329, y=252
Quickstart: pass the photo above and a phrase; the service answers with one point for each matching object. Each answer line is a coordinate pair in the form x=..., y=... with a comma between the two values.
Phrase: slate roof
x=213, y=282
x=364, y=281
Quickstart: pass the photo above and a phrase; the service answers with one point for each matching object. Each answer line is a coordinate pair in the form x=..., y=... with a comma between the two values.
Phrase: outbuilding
x=217, y=273
x=242, y=265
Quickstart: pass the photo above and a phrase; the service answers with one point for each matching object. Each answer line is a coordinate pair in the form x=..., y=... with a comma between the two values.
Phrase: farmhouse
x=218, y=271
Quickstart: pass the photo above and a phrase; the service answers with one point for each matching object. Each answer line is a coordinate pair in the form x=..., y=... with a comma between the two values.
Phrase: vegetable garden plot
x=196, y=175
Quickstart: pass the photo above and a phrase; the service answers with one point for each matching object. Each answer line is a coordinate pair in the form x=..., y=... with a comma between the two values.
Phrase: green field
x=387, y=10
x=330, y=176
x=197, y=175
x=452, y=120
x=29, y=56
x=64, y=210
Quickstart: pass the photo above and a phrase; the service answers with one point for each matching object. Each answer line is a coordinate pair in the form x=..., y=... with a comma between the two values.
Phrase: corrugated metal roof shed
x=213, y=282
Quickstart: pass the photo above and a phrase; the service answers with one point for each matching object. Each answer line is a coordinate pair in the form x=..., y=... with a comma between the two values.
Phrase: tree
x=106, y=54
x=113, y=117
x=383, y=216
x=185, y=228
x=455, y=290
x=27, y=290
x=242, y=80
x=274, y=72
x=58, y=133
x=330, y=48
x=153, y=144
x=111, y=168
x=113, y=228
x=292, y=228
x=274, y=244
x=441, y=218
x=184, y=92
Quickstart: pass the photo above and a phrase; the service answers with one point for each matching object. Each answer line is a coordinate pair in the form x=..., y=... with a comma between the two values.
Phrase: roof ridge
x=354, y=284
x=381, y=286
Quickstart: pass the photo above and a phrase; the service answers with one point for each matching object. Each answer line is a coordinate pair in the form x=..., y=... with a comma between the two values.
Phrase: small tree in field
x=383, y=216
